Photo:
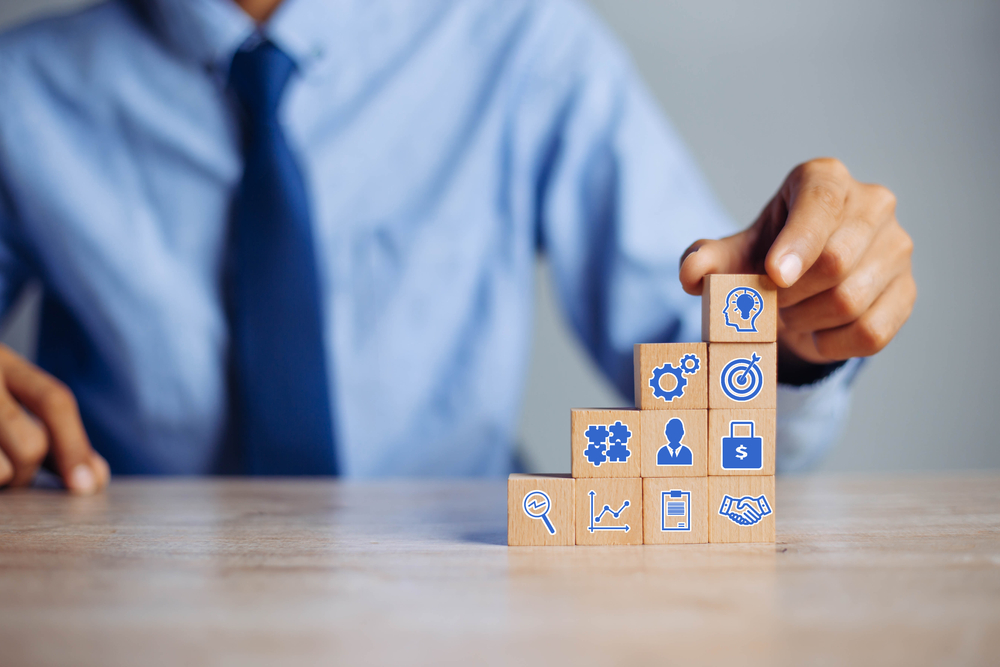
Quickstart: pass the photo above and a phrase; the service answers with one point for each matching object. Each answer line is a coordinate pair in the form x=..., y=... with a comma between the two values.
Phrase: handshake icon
x=745, y=511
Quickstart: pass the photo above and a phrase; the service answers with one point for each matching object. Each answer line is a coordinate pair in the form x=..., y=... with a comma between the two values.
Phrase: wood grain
x=713, y=306
x=653, y=489
x=721, y=529
x=610, y=494
x=581, y=420
x=522, y=529
x=720, y=354
x=695, y=438
x=765, y=424
x=647, y=356
x=900, y=570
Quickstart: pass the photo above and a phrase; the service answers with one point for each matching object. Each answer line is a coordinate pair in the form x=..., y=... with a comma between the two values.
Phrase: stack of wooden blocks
x=693, y=462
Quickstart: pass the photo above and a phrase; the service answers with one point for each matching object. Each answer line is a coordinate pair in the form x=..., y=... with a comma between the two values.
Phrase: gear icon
x=677, y=372
x=690, y=363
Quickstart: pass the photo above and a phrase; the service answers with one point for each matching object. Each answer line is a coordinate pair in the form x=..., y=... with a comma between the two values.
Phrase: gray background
x=906, y=93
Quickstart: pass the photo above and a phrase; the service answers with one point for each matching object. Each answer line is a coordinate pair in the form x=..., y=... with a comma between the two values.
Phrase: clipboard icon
x=675, y=511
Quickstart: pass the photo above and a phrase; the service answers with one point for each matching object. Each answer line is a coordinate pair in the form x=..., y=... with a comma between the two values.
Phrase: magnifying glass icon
x=537, y=506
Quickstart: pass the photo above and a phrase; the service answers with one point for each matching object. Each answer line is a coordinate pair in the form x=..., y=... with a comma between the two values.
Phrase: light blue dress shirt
x=444, y=144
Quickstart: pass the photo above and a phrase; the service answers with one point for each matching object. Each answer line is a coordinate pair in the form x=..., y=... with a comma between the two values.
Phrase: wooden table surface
x=897, y=570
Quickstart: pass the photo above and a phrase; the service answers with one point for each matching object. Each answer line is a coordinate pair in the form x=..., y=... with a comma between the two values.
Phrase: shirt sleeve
x=812, y=417
x=14, y=272
x=620, y=198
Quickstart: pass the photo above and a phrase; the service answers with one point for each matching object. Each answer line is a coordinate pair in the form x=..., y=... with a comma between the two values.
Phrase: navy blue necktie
x=281, y=398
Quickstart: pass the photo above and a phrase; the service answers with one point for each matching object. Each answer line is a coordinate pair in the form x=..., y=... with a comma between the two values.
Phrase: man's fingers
x=816, y=193
x=869, y=210
x=888, y=257
x=22, y=441
x=704, y=257
x=6, y=470
x=53, y=404
x=872, y=331
x=102, y=471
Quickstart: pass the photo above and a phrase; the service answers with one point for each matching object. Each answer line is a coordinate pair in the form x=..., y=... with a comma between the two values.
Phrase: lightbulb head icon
x=743, y=307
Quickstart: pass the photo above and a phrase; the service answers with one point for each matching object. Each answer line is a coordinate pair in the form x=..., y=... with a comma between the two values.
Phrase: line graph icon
x=605, y=511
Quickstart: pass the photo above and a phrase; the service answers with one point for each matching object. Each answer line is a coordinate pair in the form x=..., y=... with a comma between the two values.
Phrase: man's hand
x=838, y=255
x=40, y=423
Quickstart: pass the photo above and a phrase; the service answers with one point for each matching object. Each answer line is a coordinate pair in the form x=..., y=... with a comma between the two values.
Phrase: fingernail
x=790, y=267
x=82, y=479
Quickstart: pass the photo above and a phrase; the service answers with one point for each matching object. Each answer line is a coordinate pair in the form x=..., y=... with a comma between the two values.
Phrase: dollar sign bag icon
x=742, y=450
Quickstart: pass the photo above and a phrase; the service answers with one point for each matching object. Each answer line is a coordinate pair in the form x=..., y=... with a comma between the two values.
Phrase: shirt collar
x=210, y=31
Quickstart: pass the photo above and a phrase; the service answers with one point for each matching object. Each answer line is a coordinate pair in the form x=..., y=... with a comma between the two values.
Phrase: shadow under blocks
x=693, y=462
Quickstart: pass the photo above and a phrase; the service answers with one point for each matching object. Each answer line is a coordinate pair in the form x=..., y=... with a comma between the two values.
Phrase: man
x=675, y=452
x=299, y=238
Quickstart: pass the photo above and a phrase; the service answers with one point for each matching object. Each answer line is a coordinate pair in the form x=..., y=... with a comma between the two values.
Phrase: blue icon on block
x=675, y=452
x=742, y=450
x=688, y=365
x=675, y=511
x=742, y=379
x=537, y=506
x=598, y=451
x=746, y=510
x=607, y=510
x=743, y=306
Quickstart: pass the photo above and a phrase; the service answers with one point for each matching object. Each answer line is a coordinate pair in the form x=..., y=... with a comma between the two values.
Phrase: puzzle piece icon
x=597, y=436
x=620, y=435
x=618, y=453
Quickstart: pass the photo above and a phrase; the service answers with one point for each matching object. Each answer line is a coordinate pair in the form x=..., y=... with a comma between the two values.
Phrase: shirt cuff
x=811, y=417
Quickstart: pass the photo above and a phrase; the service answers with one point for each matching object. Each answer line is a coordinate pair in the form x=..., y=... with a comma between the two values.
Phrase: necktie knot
x=258, y=76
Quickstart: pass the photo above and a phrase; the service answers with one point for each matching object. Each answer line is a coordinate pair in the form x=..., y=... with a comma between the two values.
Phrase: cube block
x=540, y=510
x=675, y=510
x=743, y=375
x=671, y=376
x=741, y=509
x=605, y=443
x=741, y=442
x=609, y=511
x=674, y=443
x=739, y=309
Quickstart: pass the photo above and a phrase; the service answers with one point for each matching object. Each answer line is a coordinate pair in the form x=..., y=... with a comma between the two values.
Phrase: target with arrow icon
x=742, y=379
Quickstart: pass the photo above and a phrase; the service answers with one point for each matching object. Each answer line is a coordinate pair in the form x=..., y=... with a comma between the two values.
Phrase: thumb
x=731, y=254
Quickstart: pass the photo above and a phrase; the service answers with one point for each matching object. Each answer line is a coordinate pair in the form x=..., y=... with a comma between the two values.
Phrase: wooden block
x=605, y=443
x=671, y=376
x=741, y=509
x=674, y=443
x=540, y=510
x=675, y=510
x=609, y=511
x=743, y=376
x=741, y=442
x=739, y=309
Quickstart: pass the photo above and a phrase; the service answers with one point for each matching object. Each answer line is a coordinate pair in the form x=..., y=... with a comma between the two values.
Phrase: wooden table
x=902, y=570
